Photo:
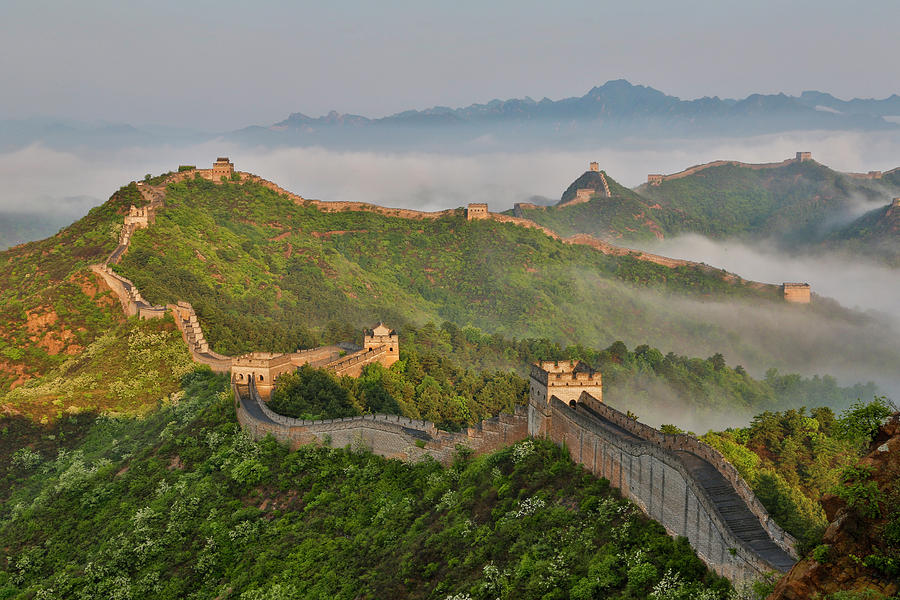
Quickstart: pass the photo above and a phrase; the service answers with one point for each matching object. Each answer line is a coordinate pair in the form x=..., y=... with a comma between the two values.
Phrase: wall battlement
x=391, y=436
x=477, y=210
x=681, y=483
x=796, y=293
x=566, y=379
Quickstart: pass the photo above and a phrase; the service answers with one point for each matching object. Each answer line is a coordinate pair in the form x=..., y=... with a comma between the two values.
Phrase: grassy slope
x=62, y=331
x=876, y=233
x=181, y=505
x=265, y=273
x=796, y=200
x=623, y=216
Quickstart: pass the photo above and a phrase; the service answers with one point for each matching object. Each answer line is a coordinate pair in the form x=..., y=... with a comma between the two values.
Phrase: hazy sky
x=223, y=64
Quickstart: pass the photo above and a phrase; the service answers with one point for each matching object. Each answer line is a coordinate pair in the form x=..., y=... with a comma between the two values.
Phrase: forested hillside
x=797, y=202
x=623, y=215
x=182, y=504
x=266, y=273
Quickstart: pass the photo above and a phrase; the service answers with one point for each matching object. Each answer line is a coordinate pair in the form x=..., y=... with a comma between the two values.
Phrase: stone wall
x=133, y=304
x=657, y=179
x=477, y=211
x=868, y=175
x=797, y=293
x=651, y=473
x=391, y=436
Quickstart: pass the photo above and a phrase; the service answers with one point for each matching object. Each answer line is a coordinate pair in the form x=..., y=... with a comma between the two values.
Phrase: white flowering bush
x=243, y=532
x=26, y=458
x=522, y=450
x=448, y=500
x=670, y=587
x=529, y=506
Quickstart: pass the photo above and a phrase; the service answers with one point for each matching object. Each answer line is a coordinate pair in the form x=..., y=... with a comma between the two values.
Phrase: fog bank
x=853, y=281
x=37, y=178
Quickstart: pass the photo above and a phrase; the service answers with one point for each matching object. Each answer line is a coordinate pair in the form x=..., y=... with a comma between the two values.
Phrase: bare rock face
x=851, y=536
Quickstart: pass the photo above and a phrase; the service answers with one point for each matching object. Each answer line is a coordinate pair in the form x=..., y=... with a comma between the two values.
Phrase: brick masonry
x=659, y=473
x=391, y=436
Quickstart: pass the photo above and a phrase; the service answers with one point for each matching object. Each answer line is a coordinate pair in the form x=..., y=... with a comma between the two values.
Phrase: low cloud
x=854, y=281
x=38, y=177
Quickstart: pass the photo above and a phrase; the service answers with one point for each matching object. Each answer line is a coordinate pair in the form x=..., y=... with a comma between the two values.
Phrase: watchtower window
x=572, y=403
x=260, y=377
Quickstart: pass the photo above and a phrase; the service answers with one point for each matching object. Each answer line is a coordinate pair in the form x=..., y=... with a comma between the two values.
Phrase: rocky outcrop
x=840, y=564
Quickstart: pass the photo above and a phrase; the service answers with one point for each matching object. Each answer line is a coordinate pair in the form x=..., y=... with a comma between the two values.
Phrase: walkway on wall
x=733, y=510
x=250, y=405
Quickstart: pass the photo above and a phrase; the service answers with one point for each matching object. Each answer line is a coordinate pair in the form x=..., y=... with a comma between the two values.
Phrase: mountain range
x=615, y=109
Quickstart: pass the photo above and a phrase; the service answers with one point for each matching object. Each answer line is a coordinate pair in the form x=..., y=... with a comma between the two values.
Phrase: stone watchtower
x=138, y=217
x=565, y=380
x=383, y=336
x=222, y=168
x=655, y=178
x=595, y=167
x=804, y=156
x=476, y=211
x=896, y=203
x=584, y=195
x=798, y=293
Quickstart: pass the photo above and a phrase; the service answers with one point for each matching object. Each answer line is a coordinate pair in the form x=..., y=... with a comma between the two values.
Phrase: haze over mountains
x=615, y=109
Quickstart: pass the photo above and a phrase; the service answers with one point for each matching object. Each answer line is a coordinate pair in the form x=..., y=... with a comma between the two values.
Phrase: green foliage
x=181, y=504
x=860, y=422
x=310, y=393
x=820, y=553
x=128, y=369
x=790, y=459
x=860, y=492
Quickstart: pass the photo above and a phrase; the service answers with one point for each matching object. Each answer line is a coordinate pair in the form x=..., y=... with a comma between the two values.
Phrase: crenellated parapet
x=685, y=484
x=391, y=436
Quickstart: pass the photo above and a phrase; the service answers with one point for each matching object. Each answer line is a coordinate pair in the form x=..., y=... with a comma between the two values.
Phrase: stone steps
x=734, y=511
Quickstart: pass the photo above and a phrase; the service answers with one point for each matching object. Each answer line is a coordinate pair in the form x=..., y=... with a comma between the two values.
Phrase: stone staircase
x=734, y=511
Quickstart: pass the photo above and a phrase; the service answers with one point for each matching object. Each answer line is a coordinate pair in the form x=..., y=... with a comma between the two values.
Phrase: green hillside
x=876, y=233
x=795, y=202
x=622, y=215
x=182, y=504
x=265, y=273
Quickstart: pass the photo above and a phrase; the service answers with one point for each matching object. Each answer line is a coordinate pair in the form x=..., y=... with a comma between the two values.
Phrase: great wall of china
x=676, y=479
x=655, y=179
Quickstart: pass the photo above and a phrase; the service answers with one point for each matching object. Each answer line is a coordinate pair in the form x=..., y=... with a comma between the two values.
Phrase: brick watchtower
x=383, y=336
x=565, y=380
x=222, y=168
x=477, y=210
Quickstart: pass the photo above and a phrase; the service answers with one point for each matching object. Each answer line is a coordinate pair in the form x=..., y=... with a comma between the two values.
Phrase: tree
x=861, y=421
x=311, y=393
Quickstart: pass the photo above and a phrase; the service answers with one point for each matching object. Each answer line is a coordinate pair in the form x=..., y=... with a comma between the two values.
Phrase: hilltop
x=598, y=205
x=875, y=233
x=797, y=200
x=797, y=203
